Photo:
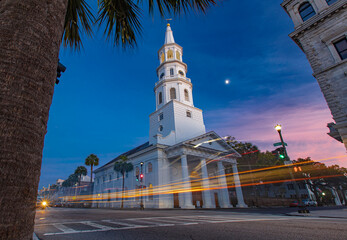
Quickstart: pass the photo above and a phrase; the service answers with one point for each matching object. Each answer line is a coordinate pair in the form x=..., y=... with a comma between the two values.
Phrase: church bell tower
x=175, y=119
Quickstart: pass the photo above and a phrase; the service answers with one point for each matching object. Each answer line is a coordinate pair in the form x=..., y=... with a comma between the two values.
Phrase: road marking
x=64, y=228
x=123, y=223
x=89, y=223
x=156, y=222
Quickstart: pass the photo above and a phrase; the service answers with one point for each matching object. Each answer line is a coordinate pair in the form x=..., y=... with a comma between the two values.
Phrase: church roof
x=128, y=153
x=169, y=35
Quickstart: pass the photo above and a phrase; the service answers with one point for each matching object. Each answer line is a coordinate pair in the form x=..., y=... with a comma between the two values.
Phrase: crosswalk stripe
x=97, y=225
x=64, y=228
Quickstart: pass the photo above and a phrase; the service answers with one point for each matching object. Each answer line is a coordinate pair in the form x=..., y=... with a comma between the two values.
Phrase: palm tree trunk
x=122, y=192
x=91, y=173
x=30, y=38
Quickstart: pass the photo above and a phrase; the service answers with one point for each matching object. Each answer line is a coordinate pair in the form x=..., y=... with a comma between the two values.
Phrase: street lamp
x=287, y=161
x=141, y=178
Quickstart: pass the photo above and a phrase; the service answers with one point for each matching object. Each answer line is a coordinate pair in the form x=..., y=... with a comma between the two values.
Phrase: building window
x=306, y=11
x=189, y=114
x=178, y=55
x=170, y=54
x=181, y=73
x=186, y=95
x=162, y=57
x=341, y=48
x=161, y=116
x=150, y=167
x=329, y=2
x=110, y=177
x=290, y=186
x=162, y=75
x=171, y=72
x=173, y=93
x=104, y=179
x=137, y=171
x=301, y=185
x=161, y=128
x=160, y=98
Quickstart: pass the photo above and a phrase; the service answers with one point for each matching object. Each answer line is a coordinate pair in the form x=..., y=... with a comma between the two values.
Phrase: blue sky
x=104, y=98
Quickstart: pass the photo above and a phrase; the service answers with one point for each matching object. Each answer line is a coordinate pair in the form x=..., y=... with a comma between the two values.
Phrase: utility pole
x=141, y=179
x=288, y=162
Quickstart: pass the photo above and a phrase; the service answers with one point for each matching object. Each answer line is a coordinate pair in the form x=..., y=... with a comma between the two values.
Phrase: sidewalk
x=327, y=213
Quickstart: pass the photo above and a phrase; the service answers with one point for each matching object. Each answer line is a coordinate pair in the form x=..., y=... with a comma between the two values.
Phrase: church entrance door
x=176, y=200
x=216, y=200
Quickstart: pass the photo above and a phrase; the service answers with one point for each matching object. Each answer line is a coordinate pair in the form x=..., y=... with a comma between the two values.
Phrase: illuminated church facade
x=183, y=166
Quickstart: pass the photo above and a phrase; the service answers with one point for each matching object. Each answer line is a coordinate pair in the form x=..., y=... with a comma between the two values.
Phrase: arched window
x=173, y=93
x=150, y=167
x=329, y=2
x=186, y=95
x=162, y=57
x=178, y=55
x=170, y=54
x=181, y=72
x=137, y=171
x=171, y=72
x=162, y=75
x=306, y=11
x=160, y=98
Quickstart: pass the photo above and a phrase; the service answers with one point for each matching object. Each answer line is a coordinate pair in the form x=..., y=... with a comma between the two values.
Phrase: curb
x=35, y=237
x=310, y=215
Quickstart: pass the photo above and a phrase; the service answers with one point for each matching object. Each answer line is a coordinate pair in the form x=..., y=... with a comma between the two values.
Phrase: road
x=89, y=224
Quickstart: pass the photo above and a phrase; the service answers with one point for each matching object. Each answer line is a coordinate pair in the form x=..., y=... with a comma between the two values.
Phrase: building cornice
x=331, y=67
x=317, y=19
x=172, y=61
x=171, y=102
x=172, y=80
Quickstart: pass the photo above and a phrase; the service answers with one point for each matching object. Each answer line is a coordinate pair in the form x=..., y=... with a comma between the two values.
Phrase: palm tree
x=123, y=166
x=92, y=160
x=31, y=33
x=80, y=170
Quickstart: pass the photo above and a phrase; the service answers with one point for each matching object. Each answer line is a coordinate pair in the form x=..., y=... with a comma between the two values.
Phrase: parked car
x=308, y=202
x=294, y=204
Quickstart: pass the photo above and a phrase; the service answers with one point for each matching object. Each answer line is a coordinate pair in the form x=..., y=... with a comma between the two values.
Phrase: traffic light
x=141, y=176
x=61, y=68
x=279, y=153
x=137, y=177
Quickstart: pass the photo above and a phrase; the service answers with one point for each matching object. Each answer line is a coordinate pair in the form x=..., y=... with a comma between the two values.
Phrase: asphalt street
x=88, y=224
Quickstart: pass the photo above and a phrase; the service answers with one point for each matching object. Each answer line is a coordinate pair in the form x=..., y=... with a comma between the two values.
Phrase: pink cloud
x=304, y=129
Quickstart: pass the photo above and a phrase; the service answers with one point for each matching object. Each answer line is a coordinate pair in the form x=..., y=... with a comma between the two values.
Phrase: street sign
x=279, y=144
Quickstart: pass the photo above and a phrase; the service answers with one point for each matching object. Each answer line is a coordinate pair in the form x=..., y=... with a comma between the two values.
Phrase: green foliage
x=70, y=181
x=123, y=166
x=120, y=18
x=81, y=170
x=92, y=160
x=78, y=15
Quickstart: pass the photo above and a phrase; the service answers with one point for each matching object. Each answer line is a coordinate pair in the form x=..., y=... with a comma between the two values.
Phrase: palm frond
x=78, y=16
x=121, y=19
x=176, y=7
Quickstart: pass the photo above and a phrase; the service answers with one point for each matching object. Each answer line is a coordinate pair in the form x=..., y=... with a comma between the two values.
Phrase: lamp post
x=287, y=162
x=141, y=178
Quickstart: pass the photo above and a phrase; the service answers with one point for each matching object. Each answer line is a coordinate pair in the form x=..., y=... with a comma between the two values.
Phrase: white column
x=223, y=192
x=188, y=199
x=207, y=197
x=240, y=202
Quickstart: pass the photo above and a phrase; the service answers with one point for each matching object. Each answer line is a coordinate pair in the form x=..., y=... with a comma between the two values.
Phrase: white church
x=182, y=165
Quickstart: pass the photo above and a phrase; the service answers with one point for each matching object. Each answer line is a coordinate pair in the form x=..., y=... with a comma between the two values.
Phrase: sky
x=103, y=101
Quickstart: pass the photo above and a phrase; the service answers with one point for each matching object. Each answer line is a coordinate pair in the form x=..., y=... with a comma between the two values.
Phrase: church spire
x=168, y=35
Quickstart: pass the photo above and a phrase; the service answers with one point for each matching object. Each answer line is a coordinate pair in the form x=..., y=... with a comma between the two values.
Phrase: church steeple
x=175, y=119
x=168, y=35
